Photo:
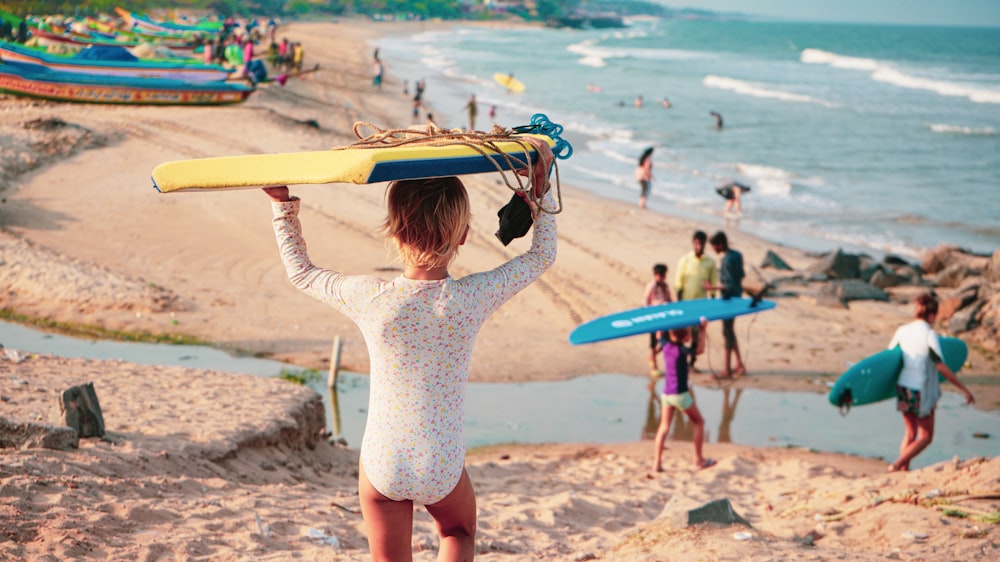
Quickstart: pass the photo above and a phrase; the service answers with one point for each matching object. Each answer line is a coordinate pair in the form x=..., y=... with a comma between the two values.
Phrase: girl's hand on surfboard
x=277, y=194
x=541, y=169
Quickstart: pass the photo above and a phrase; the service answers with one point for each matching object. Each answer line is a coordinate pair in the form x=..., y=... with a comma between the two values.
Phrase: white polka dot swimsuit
x=420, y=336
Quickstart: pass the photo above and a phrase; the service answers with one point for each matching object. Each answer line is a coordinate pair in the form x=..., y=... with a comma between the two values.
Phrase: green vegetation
x=539, y=10
x=97, y=332
x=303, y=377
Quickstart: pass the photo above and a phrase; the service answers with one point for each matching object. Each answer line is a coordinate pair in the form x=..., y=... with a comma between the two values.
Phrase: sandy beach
x=201, y=465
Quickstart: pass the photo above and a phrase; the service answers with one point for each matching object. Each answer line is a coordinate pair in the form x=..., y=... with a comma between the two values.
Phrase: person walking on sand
x=419, y=329
x=677, y=396
x=473, y=109
x=694, y=270
x=918, y=388
x=644, y=175
x=657, y=292
x=731, y=275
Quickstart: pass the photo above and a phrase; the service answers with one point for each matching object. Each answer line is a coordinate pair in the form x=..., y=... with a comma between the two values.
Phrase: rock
x=940, y=258
x=893, y=261
x=82, y=410
x=682, y=511
x=837, y=265
x=826, y=295
x=948, y=306
x=965, y=319
x=913, y=274
x=718, y=511
x=993, y=273
x=772, y=259
x=953, y=275
x=19, y=434
x=883, y=278
x=855, y=289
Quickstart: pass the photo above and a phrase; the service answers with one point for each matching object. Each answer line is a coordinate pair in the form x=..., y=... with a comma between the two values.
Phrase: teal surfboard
x=669, y=316
x=873, y=379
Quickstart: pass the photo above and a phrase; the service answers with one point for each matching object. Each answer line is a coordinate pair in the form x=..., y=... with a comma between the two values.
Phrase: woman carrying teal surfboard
x=918, y=388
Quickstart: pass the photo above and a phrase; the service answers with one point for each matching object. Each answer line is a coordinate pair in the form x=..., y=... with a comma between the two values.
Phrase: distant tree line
x=446, y=9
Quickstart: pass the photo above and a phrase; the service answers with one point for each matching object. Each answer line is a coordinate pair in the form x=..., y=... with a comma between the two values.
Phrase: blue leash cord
x=541, y=125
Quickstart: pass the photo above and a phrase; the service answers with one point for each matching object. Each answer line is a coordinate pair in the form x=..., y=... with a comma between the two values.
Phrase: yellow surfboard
x=348, y=165
x=509, y=82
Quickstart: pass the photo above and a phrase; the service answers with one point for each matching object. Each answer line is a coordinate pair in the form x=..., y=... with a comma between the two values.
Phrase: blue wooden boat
x=30, y=80
x=96, y=60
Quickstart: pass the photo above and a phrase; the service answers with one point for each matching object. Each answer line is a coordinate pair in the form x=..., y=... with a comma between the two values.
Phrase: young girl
x=657, y=292
x=918, y=388
x=677, y=396
x=419, y=329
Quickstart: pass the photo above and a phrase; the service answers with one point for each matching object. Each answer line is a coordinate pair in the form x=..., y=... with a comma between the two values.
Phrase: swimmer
x=718, y=119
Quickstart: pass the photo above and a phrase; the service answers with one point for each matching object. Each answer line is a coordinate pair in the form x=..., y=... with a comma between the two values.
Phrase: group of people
x=697, y=277
x=917, y=386
x=731, y=191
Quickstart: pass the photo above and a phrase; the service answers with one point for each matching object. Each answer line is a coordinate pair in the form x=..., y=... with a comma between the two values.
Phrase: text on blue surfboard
x=629, y=322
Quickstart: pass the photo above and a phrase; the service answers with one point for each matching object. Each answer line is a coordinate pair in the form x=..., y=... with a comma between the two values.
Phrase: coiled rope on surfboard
x=486, y=144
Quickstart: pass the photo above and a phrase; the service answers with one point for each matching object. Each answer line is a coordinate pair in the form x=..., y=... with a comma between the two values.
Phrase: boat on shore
x=49, y=38
x=114, y=60
x=31, y=80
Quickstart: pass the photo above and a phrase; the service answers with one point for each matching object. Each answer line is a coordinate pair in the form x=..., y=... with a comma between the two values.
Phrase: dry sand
x=195, y=458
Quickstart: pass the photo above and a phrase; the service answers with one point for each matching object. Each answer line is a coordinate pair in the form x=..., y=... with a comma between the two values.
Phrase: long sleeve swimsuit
x=420, y=336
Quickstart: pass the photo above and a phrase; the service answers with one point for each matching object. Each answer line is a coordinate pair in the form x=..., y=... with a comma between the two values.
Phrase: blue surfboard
x=669, y=316
x=873, y=379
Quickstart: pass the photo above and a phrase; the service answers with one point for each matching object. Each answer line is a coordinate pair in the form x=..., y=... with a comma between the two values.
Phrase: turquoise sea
x=869, y=137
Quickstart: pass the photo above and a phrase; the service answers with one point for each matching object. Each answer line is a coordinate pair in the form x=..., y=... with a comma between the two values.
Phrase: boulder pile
x=966, y=283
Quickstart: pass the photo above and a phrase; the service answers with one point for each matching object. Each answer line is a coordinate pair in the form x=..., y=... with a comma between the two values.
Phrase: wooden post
x=331, y=383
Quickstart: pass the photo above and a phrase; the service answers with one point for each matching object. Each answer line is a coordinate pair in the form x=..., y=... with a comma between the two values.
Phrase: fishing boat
x=32, y=80
x=142, y=21
x=113, y=60
x=49, y=38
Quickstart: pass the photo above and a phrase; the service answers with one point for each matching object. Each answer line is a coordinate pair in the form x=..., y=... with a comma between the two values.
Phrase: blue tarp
x=106, y=52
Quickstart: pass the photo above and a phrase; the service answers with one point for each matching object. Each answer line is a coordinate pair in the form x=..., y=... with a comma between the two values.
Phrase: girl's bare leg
x=455, y=516
x=389, y=523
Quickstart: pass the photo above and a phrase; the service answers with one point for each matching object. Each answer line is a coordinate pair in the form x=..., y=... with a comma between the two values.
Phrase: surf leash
x=486, y=144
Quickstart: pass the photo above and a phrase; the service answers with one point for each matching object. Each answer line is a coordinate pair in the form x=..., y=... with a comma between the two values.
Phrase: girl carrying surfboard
x=917, y=388
x=420, y=329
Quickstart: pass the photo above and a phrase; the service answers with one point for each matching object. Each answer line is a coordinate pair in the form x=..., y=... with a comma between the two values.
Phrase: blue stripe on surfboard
x=433, y=168
x=668, y=316
x=873, y=379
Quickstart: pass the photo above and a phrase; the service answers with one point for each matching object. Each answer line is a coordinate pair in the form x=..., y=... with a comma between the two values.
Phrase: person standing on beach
x=677, y=396
x=473, y=109
x=694, y=270
x=420, y=329
x=418, y=94
x=918, y=388
x=731, y=275
x=657, y=292
x=644, y=175
x=377, y=71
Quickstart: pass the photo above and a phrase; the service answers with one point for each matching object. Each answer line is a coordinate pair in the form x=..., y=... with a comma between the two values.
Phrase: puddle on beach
x=607, y=408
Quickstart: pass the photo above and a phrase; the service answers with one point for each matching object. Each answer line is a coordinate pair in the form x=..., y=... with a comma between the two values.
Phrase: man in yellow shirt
x=695, y=270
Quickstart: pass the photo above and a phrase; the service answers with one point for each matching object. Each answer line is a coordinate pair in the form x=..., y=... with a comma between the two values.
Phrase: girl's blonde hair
x=427, y=219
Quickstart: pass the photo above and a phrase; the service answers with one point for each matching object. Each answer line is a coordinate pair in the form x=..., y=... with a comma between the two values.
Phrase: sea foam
x=884, y=72
x=746, y=88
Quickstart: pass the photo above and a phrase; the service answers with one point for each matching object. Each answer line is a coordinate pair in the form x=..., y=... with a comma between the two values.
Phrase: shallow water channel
x=605, y=408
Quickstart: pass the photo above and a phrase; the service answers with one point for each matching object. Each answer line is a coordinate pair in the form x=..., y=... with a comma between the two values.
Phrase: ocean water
x=884, y=139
